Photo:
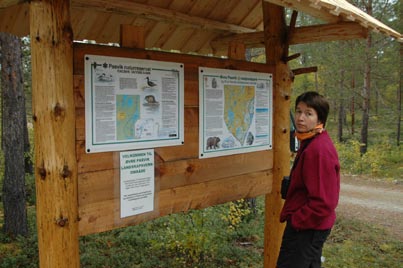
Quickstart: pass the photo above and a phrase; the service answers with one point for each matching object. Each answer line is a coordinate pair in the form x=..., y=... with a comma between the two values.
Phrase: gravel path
x=373, y=201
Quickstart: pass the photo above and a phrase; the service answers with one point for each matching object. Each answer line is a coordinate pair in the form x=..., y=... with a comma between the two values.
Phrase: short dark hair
x=316, y=101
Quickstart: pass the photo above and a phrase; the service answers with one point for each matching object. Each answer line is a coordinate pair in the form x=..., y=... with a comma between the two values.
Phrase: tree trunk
x=365, y=105
x=353, y=104
x=399, y=90
x=341, y=109
x=13, y=119
x=366, y=91
x=399, y=94
x=28, y=164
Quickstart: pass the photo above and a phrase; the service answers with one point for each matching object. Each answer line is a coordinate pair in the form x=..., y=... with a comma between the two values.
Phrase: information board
x=235, y=112
x=132, y=103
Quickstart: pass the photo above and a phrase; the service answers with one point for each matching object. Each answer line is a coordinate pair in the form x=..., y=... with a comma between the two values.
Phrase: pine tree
x=13, y=120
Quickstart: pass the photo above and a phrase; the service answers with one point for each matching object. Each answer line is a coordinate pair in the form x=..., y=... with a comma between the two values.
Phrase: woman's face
x=306, y=118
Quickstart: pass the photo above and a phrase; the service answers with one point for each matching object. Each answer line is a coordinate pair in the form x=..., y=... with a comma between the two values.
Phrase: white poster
x=132, y=103
x=235, y=112
x=136, y=182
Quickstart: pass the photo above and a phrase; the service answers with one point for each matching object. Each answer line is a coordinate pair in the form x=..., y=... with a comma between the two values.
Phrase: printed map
x=127, y=114
x=239, y=109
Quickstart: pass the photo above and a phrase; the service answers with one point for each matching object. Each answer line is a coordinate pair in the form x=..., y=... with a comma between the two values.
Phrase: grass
x=355, y=244
x=205, y=239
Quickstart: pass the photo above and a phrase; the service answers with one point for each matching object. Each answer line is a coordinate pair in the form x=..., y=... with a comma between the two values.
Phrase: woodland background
x=361, y=78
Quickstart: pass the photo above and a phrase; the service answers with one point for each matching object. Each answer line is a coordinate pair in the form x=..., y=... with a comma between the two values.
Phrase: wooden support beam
x=236, y=51
x=293, y=20
x=301, y=35
x=54, y=123
x=126, y=7
x=274, y=31
x=9, y=3
x=305, y=70
x=132, y=36
x=255, y=39
x=292, y=57
x=290, y=32
x=328, y=32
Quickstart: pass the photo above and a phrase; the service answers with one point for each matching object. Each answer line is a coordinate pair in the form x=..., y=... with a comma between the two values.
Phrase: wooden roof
x=199, y=26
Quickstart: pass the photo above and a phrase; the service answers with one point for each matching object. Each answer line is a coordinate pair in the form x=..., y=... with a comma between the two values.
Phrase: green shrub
x=198, y=238
x=237, y=211
x=382, y=160
x=23, y=252
x=189, y=238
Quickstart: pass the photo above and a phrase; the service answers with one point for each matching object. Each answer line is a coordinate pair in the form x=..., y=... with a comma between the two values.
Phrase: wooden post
x=54, y=122
x=236, y=50
x=132, y=36
x=274, y=32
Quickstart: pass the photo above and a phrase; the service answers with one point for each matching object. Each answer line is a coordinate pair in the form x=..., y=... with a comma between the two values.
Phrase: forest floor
x=373, y=201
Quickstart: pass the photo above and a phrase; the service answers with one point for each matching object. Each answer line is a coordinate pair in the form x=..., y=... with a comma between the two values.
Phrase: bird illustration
x=150, y=83
x=105, y=77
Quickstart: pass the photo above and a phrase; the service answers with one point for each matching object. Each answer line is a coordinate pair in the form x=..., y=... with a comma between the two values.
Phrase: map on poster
x=132, y=103
x=235, y=112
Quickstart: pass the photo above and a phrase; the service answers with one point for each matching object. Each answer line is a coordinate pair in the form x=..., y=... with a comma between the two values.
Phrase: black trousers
x=301, y=249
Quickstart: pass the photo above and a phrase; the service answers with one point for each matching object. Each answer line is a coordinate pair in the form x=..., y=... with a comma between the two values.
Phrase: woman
x=313, y=194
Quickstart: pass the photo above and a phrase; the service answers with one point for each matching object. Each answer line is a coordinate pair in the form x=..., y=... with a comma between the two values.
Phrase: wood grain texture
x=103, y=214
x=276, y=49
x=54, y=122
x=183, y=181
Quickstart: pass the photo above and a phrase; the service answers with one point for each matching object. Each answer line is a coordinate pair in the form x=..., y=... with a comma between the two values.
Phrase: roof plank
x=338, y=10
x=17, y=19
x=345, y=9
x=9, y=3
x=306, y=7
x=126, y=7
x=209, y=20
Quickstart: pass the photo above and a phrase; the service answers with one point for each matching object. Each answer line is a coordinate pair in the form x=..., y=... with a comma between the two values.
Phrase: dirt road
x=372, y=201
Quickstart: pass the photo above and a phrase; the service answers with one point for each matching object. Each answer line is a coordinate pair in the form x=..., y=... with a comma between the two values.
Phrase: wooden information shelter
x=77, y=192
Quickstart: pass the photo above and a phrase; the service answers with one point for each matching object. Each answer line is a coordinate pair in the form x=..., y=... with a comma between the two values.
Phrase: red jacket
x=315, y=185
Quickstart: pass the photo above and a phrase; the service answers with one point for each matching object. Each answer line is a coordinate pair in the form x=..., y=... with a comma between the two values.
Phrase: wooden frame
x=183, y=180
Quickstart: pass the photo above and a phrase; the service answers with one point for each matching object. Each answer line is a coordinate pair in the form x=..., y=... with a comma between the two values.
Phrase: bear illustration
x=212, y=143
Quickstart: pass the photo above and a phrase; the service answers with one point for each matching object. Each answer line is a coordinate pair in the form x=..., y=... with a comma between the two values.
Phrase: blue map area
x=127, y=114
x=239, y=110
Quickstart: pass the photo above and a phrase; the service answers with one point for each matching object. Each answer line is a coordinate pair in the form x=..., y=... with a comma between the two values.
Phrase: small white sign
x=136, y=182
